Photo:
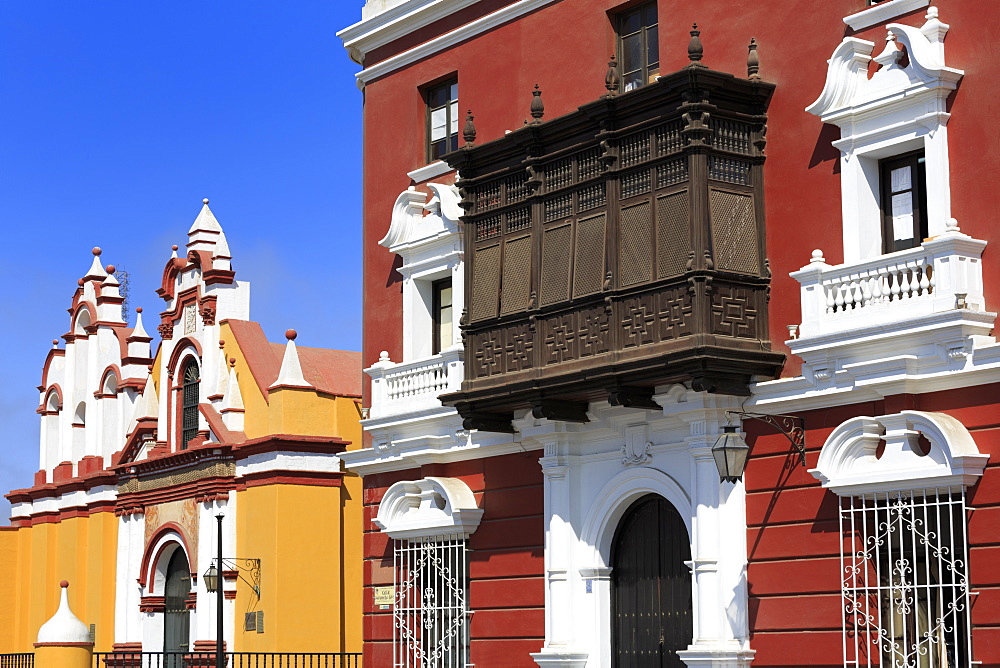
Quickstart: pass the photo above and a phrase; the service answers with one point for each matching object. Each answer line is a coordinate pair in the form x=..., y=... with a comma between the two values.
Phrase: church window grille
x=189, y=403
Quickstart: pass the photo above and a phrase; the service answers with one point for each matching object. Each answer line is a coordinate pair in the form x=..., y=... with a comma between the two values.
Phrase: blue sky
x=117, y=118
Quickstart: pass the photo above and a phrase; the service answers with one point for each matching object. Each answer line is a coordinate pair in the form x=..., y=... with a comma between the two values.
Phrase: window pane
x=901, y=180
x=902, y=215
x=652, y=46
x=632, y=53
x=631, y=22
x=439, y=148
x=653, y=73
x=453, y=92
x=439, y=121
x=633, y=80
x=454, y=118
x=437, y=97
x=649, y=15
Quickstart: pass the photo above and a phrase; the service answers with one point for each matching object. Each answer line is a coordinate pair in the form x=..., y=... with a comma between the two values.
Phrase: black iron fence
x=25, y=660
x=232, y=660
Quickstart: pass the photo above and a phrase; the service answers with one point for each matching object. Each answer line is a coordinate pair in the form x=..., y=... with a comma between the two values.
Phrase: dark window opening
x=904, y=201
x=442, y=315
x=638, y=46
x=189, y=403
x=442, y=119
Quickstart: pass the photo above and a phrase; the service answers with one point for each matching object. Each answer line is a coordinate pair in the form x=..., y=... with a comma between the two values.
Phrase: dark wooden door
x=175, y=619
x=651, y=586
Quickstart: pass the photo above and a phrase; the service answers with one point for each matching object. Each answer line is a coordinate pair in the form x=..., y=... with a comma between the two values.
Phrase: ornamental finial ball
x=232, y=361
x=204, y=201
x=55, y=342
x=64, y=584
x=96, y=250
x=110, y=269
x=222, y=342
x=138, y=309
x=291, y=334
x=174, y=247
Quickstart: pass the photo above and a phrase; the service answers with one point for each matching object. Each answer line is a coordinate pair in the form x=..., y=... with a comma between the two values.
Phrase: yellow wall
x=81, y=550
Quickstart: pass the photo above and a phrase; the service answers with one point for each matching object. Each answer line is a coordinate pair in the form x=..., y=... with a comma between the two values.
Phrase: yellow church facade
x=141, y=453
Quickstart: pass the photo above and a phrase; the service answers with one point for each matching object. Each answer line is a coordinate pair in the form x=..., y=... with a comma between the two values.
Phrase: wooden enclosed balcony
x=617, y=248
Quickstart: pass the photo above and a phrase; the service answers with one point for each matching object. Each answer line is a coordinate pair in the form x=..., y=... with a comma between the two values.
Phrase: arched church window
x=651, y=586
x=189, y=403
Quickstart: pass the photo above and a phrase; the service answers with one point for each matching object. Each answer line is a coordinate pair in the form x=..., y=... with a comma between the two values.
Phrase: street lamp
x=731, y=451
x=211, y=578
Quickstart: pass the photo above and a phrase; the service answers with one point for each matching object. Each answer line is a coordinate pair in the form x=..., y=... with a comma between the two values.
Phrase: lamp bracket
x=792, y=426
x=242, y=565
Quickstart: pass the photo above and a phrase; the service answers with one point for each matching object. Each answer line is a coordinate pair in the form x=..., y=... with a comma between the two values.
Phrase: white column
x=559, y=540
x=718, y=554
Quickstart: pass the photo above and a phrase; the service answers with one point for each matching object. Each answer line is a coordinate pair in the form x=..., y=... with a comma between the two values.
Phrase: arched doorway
x=176, y=588
x=651, y=586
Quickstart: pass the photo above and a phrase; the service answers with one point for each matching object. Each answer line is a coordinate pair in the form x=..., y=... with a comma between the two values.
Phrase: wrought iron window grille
x=905, y=589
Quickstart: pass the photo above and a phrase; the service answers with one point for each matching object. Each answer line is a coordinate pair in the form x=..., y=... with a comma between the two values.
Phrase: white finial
x=932, y=13
x=817, y=257
x=64, y=626
x=291, y=369
x=204, y=201
x=139, y=330
x=173, y=252
x=384, y=356
x=55, y=344
x=952, y=225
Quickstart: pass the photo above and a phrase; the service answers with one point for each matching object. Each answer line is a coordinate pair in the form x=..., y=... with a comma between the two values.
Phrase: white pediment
x=912, y=72
x=428, y=508
x=921, y=450
x=416, y=222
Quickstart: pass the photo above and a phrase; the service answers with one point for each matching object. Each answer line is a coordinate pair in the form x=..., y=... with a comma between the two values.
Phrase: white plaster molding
x=610, y=503
x=716, y=657
x=554, y=658
x=428, y=172
x=848, y=464
x=428, y=508
x=899, y=109
x=383, y=21
x=409, y=228
x=449, y=39
x=882, y=12
x=287, y=461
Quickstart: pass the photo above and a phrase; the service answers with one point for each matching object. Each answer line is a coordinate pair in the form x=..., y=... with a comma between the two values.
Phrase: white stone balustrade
x=942, y=274
x=411, y=387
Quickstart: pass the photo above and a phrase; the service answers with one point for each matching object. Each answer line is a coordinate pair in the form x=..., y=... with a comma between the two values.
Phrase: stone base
x=716, y=657
x=553, y=658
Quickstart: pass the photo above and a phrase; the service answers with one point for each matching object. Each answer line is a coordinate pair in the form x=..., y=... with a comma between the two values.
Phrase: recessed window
x=442, y=315
x=442, y=119
x=904, y=201
x=189, y=403
x=638, y=46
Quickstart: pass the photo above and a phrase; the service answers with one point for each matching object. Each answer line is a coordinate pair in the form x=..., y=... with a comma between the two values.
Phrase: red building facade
x=830, y=261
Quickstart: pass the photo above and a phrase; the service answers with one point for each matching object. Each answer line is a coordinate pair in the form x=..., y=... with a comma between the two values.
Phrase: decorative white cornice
x=410, y=228
x=378, y=28
x=882, y=12
x=428, y=508
x=428, y=172
x=358, y=46
x=848, y=463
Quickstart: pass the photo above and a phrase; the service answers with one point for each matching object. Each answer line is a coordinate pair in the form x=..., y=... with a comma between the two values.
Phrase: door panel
x=651, y=586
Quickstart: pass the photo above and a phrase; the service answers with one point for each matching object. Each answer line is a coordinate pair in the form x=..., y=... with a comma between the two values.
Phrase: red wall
x=793, y=537
x=564, y=47
x=506, y=567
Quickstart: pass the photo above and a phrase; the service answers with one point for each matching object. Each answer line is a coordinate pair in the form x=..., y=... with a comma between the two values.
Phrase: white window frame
x=899, y=110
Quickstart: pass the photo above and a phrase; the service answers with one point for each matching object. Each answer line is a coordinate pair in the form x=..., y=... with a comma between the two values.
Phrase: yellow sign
x=384, y=595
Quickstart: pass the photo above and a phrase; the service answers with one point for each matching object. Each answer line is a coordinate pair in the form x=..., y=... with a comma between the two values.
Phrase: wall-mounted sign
x=384, y=596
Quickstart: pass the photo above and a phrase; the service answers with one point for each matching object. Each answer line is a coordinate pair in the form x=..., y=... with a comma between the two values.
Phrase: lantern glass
x=730, y=453
x=212, y=579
